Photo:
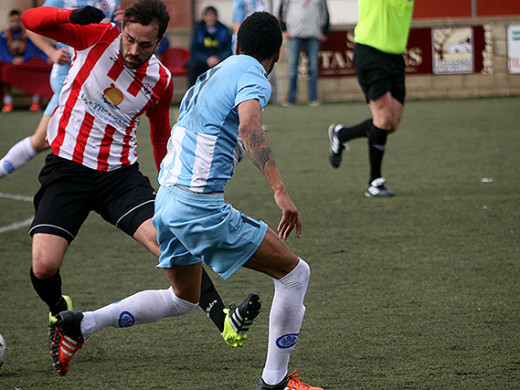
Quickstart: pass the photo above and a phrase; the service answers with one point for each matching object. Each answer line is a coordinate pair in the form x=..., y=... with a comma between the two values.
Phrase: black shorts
x=379, y=73
x=70, y=191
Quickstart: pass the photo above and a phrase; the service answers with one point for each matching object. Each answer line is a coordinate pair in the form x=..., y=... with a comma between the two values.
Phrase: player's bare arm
x=253, y=136
x=257, y=145
x=56, y=56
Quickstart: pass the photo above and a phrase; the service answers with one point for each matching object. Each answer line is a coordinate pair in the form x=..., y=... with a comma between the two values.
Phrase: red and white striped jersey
x=102, y=100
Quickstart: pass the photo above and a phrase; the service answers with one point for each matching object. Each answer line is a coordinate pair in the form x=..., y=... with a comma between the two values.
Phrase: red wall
x=427, y=9
x=498, y=7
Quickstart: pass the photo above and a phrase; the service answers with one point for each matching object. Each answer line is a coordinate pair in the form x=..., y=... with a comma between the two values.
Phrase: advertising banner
x=513, y=49
x=446, y=50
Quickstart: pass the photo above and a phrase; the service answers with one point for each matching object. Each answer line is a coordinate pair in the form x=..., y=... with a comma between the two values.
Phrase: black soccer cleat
x=376, y=189
x=336, y=147
x=67, y=340
x=239, y=319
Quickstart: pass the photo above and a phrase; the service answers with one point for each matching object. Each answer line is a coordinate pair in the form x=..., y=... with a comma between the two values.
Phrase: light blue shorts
x=198, y=227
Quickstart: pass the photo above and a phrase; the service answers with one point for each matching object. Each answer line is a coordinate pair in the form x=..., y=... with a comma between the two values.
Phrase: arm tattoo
x=260, y=150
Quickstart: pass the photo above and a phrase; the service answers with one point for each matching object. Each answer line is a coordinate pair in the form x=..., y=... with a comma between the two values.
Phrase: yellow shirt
x=384, y=24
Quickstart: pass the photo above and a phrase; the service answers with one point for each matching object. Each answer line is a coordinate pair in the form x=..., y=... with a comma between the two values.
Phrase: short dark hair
x=147, y=12
x=210, y=9
x=14, y=12
x=260, y=35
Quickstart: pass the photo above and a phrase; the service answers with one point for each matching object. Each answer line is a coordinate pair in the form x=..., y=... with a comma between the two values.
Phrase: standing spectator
x=16, y=48
x=381, y=37
x=210, y=44
x=305, y=24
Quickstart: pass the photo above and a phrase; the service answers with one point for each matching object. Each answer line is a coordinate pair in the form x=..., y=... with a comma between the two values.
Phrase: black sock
x=49, y=290
x=360, y=130
x=376, y=150
x=211, y=302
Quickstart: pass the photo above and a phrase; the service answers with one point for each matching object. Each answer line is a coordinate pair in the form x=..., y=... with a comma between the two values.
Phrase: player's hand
x=290, y=217
x=212, y=61
x=119, y=15
x=86, y=15
x=60, y=56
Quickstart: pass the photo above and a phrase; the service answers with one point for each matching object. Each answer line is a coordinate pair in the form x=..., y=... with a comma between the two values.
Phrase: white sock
x=8, y=98
x=36, y=99
x=19, y=155
x=285, y=320
x=140, y=308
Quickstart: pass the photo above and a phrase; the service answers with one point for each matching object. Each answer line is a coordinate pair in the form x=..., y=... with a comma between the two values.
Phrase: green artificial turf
x=420, y=291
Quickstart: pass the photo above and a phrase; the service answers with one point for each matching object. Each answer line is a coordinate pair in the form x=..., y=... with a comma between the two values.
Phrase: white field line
x=16, y=225
x=22, y=198
x=20, y=224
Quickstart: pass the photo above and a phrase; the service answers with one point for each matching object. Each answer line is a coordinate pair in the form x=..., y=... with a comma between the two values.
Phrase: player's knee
x=179, y=304
x=392, y=124
x=43, y=269
x=386, y=122
x=298, y=278
x=386, y=118
x=39, y=144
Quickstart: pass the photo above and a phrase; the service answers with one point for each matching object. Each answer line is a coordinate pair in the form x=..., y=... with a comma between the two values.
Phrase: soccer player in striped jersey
x=113, y=80
x=220, y=117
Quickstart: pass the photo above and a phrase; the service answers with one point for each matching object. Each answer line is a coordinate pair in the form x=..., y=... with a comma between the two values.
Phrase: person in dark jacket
x=210, y=44
x=16, y=48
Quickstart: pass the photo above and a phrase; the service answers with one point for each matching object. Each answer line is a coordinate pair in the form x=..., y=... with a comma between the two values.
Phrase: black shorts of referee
x=379, y=73
x=70, y=191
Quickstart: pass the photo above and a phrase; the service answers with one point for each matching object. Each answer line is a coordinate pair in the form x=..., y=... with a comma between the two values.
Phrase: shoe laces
x=296, y=382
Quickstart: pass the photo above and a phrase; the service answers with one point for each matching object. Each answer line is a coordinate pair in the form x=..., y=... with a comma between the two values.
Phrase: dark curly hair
x=260, y=36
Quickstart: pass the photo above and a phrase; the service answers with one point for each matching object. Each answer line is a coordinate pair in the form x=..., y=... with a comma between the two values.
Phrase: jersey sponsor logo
x=287, y=340
x=99, y=110
x=113, y=96
x=126, y=319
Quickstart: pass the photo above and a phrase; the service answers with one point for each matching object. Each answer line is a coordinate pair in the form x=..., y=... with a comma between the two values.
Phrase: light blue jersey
x=59, y=72
x=205, y=146
x=108, y=7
